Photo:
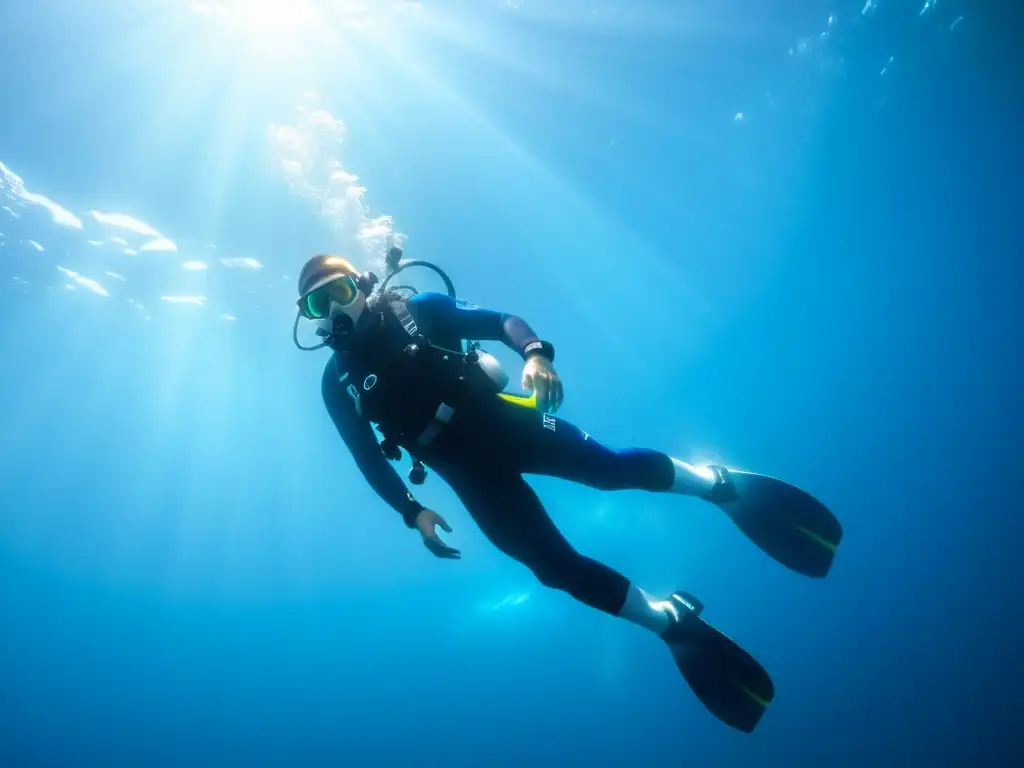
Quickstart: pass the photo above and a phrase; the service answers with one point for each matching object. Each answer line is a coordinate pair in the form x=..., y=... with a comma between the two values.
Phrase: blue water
x=780, y=235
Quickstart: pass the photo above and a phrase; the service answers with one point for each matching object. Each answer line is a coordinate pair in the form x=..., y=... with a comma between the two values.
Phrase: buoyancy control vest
x=398, y=378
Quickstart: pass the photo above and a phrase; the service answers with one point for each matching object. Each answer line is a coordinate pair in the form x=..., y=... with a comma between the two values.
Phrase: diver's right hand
x=426, y=522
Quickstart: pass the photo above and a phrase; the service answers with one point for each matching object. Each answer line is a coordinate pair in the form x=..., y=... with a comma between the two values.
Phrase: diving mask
x=329, y=298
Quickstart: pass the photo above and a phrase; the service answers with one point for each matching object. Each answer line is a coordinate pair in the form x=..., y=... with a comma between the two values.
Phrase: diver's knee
x=559, y=572
x=606, y=481
x=549, y=577
x=616, y=469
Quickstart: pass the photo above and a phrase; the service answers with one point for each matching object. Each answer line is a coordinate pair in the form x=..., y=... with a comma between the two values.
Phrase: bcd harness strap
x=406, y=319
x=444, y=411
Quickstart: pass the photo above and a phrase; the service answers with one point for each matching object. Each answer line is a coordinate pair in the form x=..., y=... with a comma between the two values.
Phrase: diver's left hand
x=539, y=376
x=427, y=523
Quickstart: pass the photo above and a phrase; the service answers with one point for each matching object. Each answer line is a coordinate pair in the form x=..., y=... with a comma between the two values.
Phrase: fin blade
x=785, y=522
x=729, y=682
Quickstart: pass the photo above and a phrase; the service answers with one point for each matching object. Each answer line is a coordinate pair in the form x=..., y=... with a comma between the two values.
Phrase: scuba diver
x=398, y=362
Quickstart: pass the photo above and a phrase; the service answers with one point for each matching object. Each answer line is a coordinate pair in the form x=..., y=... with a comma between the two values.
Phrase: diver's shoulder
x=428, y=306
x=433, y=299
x=428, y=299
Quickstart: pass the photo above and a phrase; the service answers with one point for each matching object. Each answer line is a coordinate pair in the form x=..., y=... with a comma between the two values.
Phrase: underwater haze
x=784, y=236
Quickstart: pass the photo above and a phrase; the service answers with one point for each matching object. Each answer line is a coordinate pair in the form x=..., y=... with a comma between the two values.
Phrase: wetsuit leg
x=509, y=513
x=541, y=444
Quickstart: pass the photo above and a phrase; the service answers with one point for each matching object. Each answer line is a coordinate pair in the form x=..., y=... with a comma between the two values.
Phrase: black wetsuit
x=488, y=444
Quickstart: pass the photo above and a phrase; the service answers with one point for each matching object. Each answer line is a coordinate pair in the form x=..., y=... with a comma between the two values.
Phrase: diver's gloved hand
x=426, y=522
x=539, y=376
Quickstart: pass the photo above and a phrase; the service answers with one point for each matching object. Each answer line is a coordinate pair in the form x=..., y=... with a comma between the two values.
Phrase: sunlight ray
x=554, y=193
x=555, y=70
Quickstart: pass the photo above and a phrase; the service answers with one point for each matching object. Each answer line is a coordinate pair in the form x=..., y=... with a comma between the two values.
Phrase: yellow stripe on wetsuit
x=524, y=401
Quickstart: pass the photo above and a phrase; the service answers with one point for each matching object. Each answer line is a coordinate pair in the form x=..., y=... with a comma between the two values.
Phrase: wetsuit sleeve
x=362, y=443
x=440, y=315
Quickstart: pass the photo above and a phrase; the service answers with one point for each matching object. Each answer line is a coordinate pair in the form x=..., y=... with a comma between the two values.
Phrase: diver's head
x=332, y=293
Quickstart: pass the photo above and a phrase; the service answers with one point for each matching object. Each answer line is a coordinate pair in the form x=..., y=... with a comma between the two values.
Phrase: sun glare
x=264, y=18
x=284, y=18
